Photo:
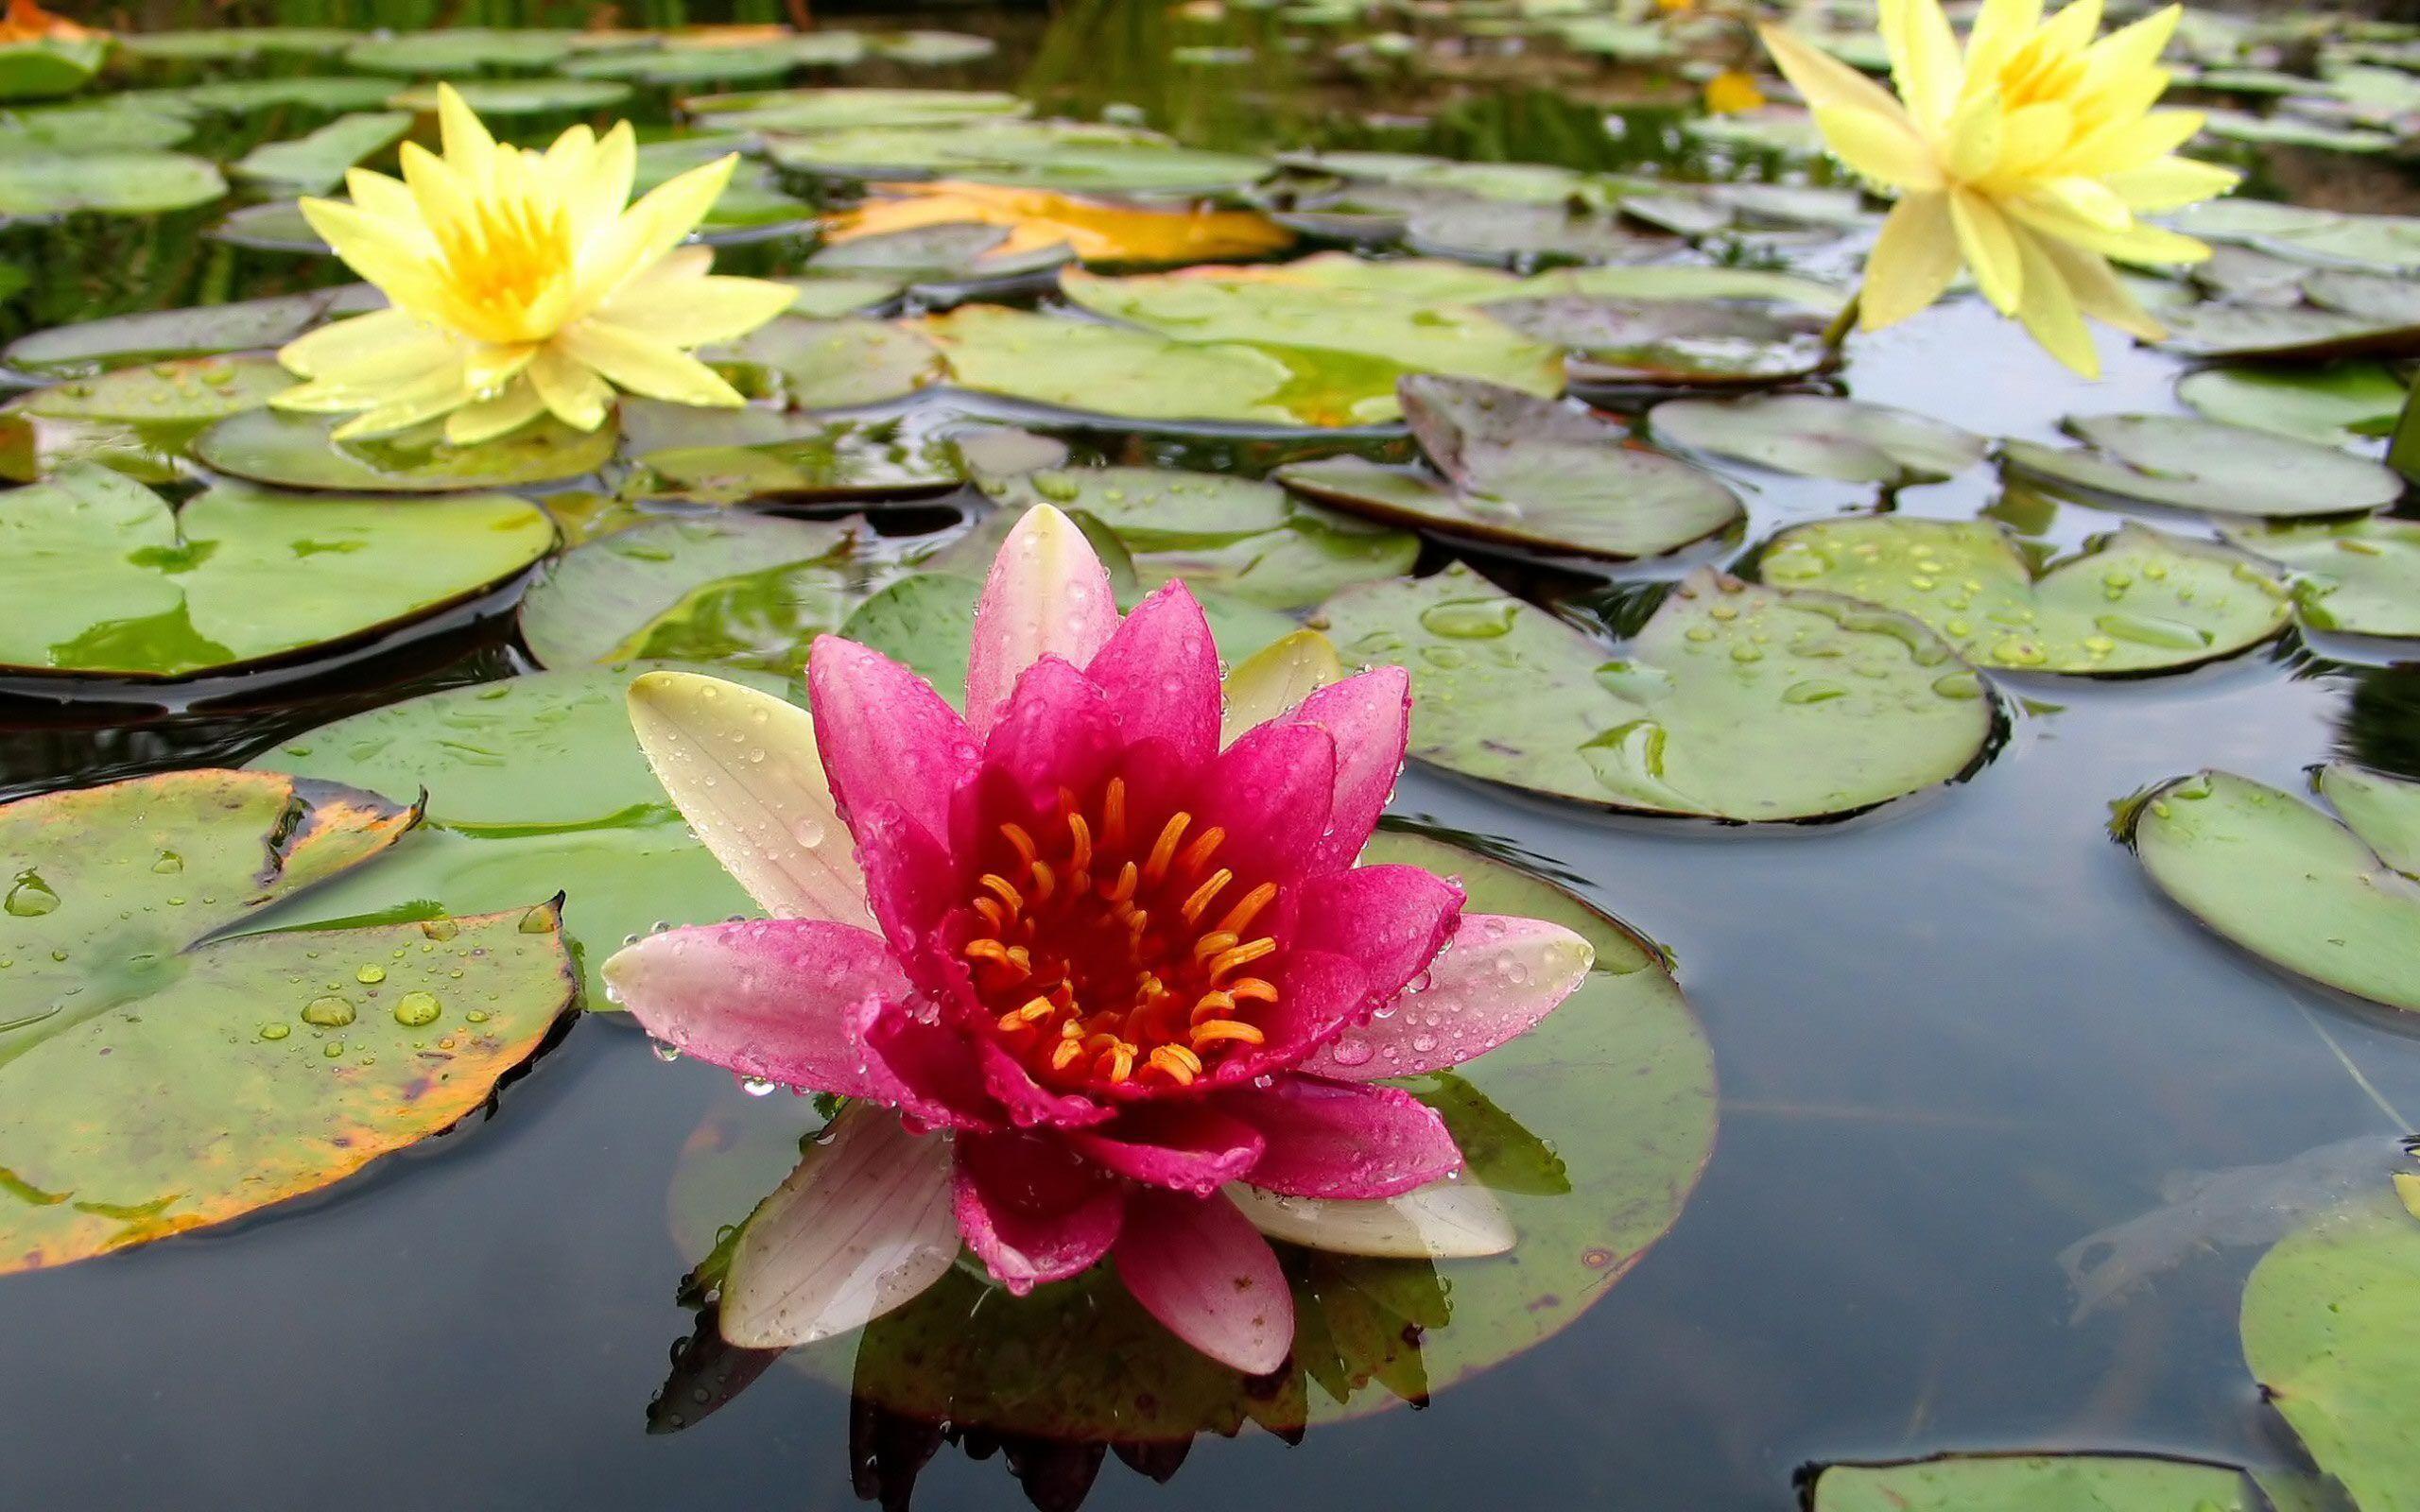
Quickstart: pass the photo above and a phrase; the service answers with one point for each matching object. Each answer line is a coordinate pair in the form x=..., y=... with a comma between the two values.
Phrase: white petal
x=1047, y=595
x=1445, y=1220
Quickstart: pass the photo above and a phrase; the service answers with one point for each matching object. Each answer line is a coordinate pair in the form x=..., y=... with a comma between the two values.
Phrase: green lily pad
x=535, y=784
x=760, y=454
x=1491, y=230
x=2035, y=1482
x=332, y=93
x=1061, y=155
x=1734, y=701
x=1673, y=281
x=234, y=45
x=2291, y=332
x=2283, y=880
x=456, y=52
x=2135, y=600
x=1706, y=343
x=193, y=389
x=828, y=110
x=110, y=183
x=160, y=1077
x=2355, y=576
x=1089, y=368
x=956, y=253
x=677, y=66
x=740, y=590
x=520, y=97
x=1525, y=472
x=2331, y=1330
x=932, y=50
x=2383, y=810
x=93, y=347
x=828, y=298
x=1818, y=436
x=2199, y=464
x=103, y=579
x=295, y=452
x=1617, y=1085
x=2339, y=404
x=86, y=129
x=317, y=162
x=1229, y=535
x=827, y=364
x=48, y=66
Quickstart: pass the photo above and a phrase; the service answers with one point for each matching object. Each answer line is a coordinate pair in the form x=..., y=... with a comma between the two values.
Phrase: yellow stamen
x=1163, y=850
x=1116, y=1064
x=1015, y=835
x=1080, y=836
x=1205, y=895
x=1176, y=1064
x=1212, y=944
x=1251, y=989
x=1217, y=1030
x=1128, y=878
x=1046, y=882
x=1068, y=1053
x=1113, y=814
x=1213, y=1005
x=1000, y=888
x=1240, y=918
x=1241, y=955
x=993, y=914
x=1196, y=855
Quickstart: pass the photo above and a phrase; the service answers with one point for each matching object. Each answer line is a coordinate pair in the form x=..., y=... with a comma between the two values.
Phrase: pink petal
x=1341, y=1140
x=1369, y=717
x=1047, y=595
x=1058, y=729
x=926, y=1070
x=1318, y=997
x=1389, y=920
x=913, y=885
x=744, y=769
x=861, y=1227
x=1186, y=1147
x=1497, y=979
x=1030, y=1104
x=773, y=998
x=1201, y=1268
x=1031, y=1212
x=887, y=738
x=1269, y=791
x=1161, y=673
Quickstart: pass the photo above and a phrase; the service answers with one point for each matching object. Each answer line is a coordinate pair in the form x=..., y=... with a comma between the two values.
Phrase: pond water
x=1954, y=1036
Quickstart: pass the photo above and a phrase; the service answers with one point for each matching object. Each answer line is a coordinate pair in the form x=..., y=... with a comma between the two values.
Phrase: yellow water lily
x=1732, y=91
x=2030, y=159
x=521, y=283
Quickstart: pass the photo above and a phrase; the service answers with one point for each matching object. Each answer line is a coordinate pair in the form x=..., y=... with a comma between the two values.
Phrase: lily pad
x=736, y=589
x=520, y=97
x=954, y=253
x=1525, y=472
x=84, y=128
x=2283, y=880
x=2291, y=332
x=102, y=578
x=295, y=452
x=314, y=164
x=1095, y=369
x=827, y=364
x=2035, y=1482
x=96, y=346
x=1616, y=1088
x=46, y=67
x=1702, y=343
x=454, y=52
x=1045, y=154
x=2199, y=464
x=1818, y=436
x=1675, y=281
x=2331, y=1330
x=825, y=109
x=2355, y=576
x=1734, y=701
x=535, y=784
x=2135, y=600
x=332, y=93
x=160, y=1077
x=764, y=455
x=1230, y=535
x=2339, y=405
x=111, y=184
x=235, y=45
x=180, y=392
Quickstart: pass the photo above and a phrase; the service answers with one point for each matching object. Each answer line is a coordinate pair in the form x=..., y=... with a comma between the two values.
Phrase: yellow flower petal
x=2099, y=292
x=1989, y=246
x=466, y=142
x=1924, y=61
x=1975, y=132
x=575, y=395
x=407, y=407
x=651, y=228
x=598, y=184
x=490, y=418
x=2091, y=201
x=1824, y=79
x=367, y=248
x=373, y=335
x=2131, y=49
x=1913, y=261
x=696, y=311
x=656, y=369
x=2000, y=27
x=1878, y=147
x=2140, y=243
x=2050, y=313
x=2171, y=184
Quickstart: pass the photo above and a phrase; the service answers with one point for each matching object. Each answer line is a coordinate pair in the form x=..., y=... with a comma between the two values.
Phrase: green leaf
x=2356, y=576
x=1091, y=369
x=456, y=52
x=1818, y=436
x=824, y=109
x=2134, y=600
x=762, y=454
x=2199, y=464
x=106, y=127
x=838, y=364
x=296, y=452
x=520, y=97
x=103, y=579
x=2035, y=1482
x=111, y=184
x=93, y=347
x=1706, y=343
x=2283, y=880
x=2331, y=1330
x=1734, y=702
x=2336, y=405
x=233, y=45
x=157, y=1077
x=48, y=66
x=317, y=162
x=331, y=94
x=174, y=392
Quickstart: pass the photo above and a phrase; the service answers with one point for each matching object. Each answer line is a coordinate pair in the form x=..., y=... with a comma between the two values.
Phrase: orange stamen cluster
x=1112, y=950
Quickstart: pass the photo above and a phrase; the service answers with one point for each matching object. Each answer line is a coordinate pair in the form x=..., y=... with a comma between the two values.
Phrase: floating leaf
x=518, y=96
x=826, y=364
x=2035, y=1482
x=2199, y=464
x=42, y=67
x=1818, y=436
x=536, y=786
x=825, y=109
x=157, y=1077
x=1043, y=154
x=317, y=162
x=331, y=94
x=1490, y=230
x=96, y=346
x=1698, y=342
x=1734, y=701
x=113, y=184
x=176, y=392
x=2355, y=576
x=1228, y=535
x=1527, y=472
x=1089, y=368
x=2283, y=880
x=2336, y=405
x=102, y=578
x=801, y=460
x=2331, y=1330
x=235, y=45
x=2134, y=600
x=1038, y=218
x=454, y=52
x=109, y=127
x=296, y=452
x=2294, y=333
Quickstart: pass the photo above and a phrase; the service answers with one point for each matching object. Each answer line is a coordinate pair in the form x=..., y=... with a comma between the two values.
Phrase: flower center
x=1113, y=949
x=508, y=254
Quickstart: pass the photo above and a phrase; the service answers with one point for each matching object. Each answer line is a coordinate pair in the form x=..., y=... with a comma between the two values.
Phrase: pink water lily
x=1118, y=974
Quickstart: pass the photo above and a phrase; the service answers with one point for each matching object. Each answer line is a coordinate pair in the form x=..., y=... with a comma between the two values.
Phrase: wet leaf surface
x=295, y=452
x=2356, y=577
x=1818, y=436
x=2196, y=464
x=2035, y=1482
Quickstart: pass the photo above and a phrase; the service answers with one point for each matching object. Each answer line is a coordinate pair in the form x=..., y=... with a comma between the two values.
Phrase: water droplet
x=1959, y=685
x=31, y=897
x=371, y=975
x=169, y=864
x=1353, y=1050
x=440, y=929
x=329, y=1012
x=755, y=1086
x=417, y=1010
x=666, y=1051
x=274, y=1031
x=333, y=1050
x=1470, y=619
x=1814, y=690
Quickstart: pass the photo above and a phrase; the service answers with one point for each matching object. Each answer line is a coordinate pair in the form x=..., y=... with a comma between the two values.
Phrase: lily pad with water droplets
x=296, y=452
x=102, y=578
x=2199, y=464
x=91, y=346
x=2285, y=881
x=2354, y=576
x=188, y=391
x=1694, y=343
x=157, y=1076
x=1597, y=1124
x=1525, y=472
x=1734, y=701
x=744, y=456
x=534, y=785
x=2135, y=600
x=1231, y=536
x=2035, y=1482
x=1818, y=436
x=2331, y=1330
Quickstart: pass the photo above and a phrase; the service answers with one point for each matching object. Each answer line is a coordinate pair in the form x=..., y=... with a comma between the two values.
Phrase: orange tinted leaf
x=1097, y=230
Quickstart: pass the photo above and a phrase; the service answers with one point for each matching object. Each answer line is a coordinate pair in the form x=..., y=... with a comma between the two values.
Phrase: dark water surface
x=1953, y=1037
